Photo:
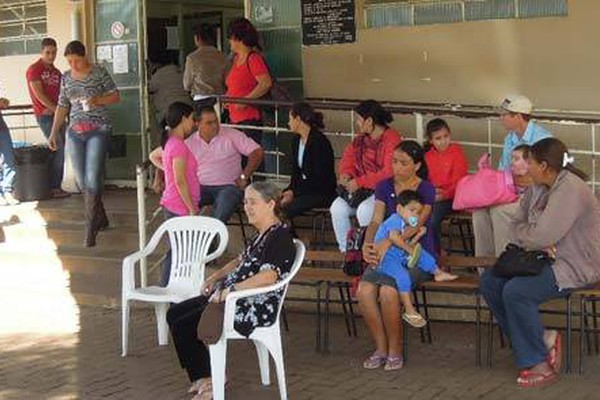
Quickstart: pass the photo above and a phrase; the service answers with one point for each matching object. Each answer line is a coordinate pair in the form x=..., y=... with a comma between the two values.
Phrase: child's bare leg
x=409, y=307
x=443, y=276
x=410, y=313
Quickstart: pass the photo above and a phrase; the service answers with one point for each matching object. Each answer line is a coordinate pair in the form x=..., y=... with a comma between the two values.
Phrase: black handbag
x=353, y=199
x=516, y=261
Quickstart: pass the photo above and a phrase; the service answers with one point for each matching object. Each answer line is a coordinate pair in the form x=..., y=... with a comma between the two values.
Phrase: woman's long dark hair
x=242, y=29
x=372, y=109
x=553, y=152
x=308, y=115
x=175, y=114
x=415, y=151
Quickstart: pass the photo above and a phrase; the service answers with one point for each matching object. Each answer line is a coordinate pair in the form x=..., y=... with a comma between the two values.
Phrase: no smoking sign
x=117, y=30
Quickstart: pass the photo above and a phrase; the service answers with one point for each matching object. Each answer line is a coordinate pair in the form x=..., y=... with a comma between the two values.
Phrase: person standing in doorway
x=204, y=73
x=43, y=83
x=86, y=90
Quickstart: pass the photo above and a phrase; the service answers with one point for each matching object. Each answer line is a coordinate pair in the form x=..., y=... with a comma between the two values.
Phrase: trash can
x=32, y=163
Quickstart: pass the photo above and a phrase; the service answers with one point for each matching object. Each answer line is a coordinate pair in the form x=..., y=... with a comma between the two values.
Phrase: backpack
x=354, y=265
x=277, y=92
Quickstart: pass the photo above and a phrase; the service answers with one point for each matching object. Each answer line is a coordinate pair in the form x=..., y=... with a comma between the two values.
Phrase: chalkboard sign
x=328, y=22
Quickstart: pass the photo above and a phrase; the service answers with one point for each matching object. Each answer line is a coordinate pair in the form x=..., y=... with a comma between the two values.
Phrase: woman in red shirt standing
x=447, y=165
x=365, y=162
x=248, y=77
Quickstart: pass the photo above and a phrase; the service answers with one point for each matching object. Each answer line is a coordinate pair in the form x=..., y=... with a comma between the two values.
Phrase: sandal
x=414, y=320
x=375, y=361
x=393, y=363
x=414, y=257
x=528, y=378
x=554, y=358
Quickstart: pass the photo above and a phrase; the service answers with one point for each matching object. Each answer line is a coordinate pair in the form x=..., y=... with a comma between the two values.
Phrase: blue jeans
x=57, y=163
x=224, y=198
x=7, y=163
x=394, y=264
x=440, y=210
x=515, y=303
x=88, y=155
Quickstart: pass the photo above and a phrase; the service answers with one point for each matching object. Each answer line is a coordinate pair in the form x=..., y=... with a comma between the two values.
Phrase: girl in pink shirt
x=182, y=189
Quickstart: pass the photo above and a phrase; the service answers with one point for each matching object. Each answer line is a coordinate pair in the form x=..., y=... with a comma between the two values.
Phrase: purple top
x=384, y=192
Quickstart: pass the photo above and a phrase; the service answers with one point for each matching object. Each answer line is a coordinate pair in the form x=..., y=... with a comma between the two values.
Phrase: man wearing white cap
x=515, y=116
x=491, y=225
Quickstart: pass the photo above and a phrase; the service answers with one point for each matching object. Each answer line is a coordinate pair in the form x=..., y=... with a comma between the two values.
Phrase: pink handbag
x=487, y=187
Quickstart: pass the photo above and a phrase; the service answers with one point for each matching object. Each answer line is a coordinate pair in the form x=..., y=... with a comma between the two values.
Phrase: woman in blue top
x=377, y=293
x=86, y=89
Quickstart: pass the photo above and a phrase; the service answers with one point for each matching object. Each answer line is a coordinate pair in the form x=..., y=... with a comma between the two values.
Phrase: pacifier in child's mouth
x=413, y=221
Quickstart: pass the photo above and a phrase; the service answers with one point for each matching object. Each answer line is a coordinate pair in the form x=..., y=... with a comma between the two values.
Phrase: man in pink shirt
x=43, y=81
x=218, y=151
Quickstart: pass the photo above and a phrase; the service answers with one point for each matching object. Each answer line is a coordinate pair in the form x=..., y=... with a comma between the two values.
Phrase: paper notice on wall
x=103, y=53
x=120, y=55
x=172, y=37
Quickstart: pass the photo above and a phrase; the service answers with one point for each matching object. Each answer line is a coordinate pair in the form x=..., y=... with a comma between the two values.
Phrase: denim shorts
x=377, y=278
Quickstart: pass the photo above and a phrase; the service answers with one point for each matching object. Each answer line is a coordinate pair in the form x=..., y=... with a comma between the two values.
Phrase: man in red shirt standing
x=43, y=81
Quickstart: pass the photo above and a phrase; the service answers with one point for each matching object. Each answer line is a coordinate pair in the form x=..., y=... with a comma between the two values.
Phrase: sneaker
x=10, y=199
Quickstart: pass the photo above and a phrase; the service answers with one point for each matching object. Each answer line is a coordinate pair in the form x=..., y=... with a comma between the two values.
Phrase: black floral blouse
x=274, y=250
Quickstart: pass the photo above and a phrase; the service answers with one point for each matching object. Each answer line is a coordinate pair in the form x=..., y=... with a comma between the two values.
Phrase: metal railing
x=16, y=117
x=418, y=111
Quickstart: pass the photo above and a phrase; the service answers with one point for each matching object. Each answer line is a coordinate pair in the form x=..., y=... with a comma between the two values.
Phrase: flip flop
x=414, y=320
x=393, y=363
x=528, y=378
x=555, y=354
x=413, y=259
x=374, y=361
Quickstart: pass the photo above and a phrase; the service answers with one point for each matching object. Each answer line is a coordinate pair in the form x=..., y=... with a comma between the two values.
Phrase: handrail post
x=141, y=200
x=419, y=128
x=593, y=158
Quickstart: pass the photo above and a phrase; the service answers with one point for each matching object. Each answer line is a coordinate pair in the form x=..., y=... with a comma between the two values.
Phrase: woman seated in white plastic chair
x=267, y=259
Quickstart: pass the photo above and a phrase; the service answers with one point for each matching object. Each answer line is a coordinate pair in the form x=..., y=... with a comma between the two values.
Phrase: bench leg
x=319, y=318
x=351, y=307
x=426, y=312
x=490, y=343
x=478, y=330
x=595, y=325
x=345, y=310
x=418, y=308
x=588, y=339
x=286, y=326
x=327, y=314
x=582, y=309
x=569, y=333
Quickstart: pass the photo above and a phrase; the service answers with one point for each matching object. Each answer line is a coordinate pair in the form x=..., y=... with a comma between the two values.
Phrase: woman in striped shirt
x=86, y=90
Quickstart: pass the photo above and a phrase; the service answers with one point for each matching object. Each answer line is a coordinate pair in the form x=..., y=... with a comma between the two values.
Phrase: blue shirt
x=394, y=223
x=533, y=133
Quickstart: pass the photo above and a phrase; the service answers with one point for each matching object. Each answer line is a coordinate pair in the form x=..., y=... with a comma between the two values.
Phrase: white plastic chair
x=266, y=339
x=190, y=238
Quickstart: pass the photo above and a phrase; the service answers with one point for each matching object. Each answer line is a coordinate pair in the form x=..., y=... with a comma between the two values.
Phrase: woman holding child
x=383, y=317
x=558, y=214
